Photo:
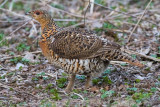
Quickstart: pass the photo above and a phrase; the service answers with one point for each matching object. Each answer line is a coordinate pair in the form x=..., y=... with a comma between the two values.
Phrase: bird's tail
x=120, y=56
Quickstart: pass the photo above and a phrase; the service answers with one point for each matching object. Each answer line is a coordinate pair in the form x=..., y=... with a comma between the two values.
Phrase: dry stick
x=72, y=14
x=3, y=3
x=9, y=87
x=11, y=5
x=16, y=30
x=17, y=21
x=14, y=13
x=20, y=27
x=79, y=95
x=139, y=20
x=86, y=12
x=92, y=7
x=20, y=16
x=123, y=13
x=139, y=54
x=62, y=20
x=118, y=62
x=9, y=57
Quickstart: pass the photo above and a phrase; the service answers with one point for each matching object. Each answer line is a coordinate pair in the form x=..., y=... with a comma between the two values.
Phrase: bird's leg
x=71, y=83
x=88, y=82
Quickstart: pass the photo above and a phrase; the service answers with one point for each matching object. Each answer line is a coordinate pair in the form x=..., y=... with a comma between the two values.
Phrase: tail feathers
x=118, y=55
x=130, y=60
x=133, y=62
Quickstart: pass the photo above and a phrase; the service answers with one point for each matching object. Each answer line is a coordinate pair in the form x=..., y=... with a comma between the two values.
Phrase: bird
x=77, y=50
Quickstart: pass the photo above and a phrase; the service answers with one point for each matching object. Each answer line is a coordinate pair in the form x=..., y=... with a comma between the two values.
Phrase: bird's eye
x=37, y=13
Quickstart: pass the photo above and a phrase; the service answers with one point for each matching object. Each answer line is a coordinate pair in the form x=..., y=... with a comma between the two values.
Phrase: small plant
x=108, y=25
x=153, y=55
x=41, y=75
x=130, y=20
x=59, y=6
x=55, y=94
x=22, y=47
x=2, y=77
x=47, y=103
x=76, y=90
x=22, y=104
x=106, y=93
x=96, y=81
x=138, y=80
x=103, y=80
x=133, y=56
x=102, y=2
x=147, y=68
x=74, y=96
x=81, y=77
x=159, y=78
x=10, y=73
x=139, y=97
x=56, y=97
x=108, y=71
x=132, y=90
x=15, y=60
x=18, y=5
x=25, y=61
x=153, y=89
x=49, y=86
x=61, y=82
x=106, y=80
x=3, y=42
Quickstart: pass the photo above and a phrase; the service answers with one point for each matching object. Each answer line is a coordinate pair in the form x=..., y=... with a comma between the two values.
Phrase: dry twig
x=9, y=57
x=142, y=55
x=123, y=13
x=79, y=95
x=139, y=20
x=3, y=3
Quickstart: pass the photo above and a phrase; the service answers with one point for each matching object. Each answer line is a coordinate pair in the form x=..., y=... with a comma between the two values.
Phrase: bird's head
x=39, y=15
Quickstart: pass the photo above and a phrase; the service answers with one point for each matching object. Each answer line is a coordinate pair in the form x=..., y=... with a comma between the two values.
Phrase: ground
x=28, y=79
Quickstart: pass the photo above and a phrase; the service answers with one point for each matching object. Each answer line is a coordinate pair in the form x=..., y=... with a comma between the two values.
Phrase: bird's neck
x=48, y=27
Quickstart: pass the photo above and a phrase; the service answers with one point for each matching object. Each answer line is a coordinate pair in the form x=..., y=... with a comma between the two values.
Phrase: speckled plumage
x=77, y=50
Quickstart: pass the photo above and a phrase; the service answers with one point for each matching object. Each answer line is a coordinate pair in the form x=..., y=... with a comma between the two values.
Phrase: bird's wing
x=77, y=43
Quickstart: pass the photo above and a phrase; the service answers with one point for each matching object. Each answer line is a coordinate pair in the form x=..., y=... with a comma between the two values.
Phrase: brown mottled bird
x=77, y=50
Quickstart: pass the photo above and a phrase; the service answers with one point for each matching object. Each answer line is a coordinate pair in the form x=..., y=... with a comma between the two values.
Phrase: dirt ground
x=27, y=79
